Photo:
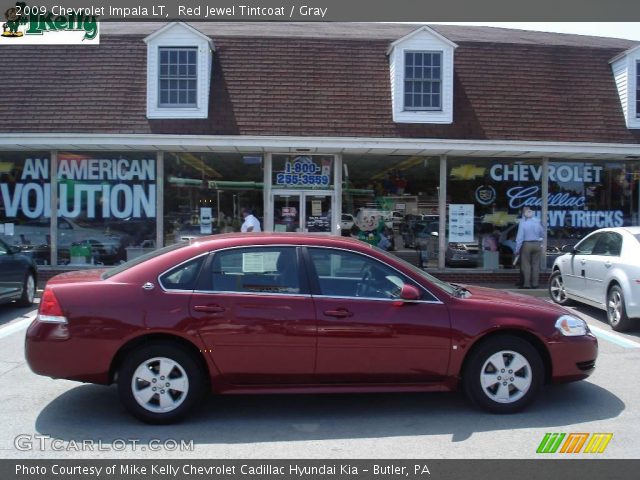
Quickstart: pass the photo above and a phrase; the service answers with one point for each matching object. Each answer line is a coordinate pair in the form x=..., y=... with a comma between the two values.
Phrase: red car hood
x=507, y=298
x=78, y=276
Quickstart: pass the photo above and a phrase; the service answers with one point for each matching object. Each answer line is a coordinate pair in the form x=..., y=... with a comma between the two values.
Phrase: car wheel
x=556, y=289
x=160, y=383
x=28, y=291
x=616, y=311
x=503, y=374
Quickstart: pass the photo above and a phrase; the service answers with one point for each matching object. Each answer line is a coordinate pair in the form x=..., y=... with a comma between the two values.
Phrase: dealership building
x=440, y=133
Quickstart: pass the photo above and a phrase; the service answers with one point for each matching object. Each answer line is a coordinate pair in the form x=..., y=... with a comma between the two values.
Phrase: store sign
x=461, y=223
x=106, y=195
x=303, y=171
x=562, y=205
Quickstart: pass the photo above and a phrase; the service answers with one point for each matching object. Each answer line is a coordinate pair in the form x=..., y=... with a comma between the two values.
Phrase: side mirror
x=409, y=293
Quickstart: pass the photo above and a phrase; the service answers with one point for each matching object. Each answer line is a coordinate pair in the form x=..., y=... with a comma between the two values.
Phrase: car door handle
x=339, y=313
x=583, y=261
x=607, y=264
x=209, y=308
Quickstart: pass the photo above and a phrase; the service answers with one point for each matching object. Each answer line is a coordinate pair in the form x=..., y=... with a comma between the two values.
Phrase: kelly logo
x=36, y=25
x=573, y=442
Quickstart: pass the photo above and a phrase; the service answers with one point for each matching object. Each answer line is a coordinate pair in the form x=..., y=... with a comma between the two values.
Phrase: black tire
x=184, y=401
x=480, y=364
x=556, y=289
x=28, y=290
x=616, y=310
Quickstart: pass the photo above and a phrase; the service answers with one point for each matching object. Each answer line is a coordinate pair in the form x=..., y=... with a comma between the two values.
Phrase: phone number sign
x=304, y=172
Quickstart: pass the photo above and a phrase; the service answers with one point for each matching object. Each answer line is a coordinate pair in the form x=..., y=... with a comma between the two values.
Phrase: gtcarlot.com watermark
x=44, y=443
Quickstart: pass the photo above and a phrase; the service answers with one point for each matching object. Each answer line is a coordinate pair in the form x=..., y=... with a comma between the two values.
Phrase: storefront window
x=585, y=196
x=392, y=202
x=25, y=203
x=205, y=193
x=107, y=206
x=484, y=202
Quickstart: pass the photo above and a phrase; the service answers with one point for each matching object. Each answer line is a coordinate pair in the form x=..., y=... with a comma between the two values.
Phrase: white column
x=53, y=175
x=160, y=199
x=442, y=210
x=544, y=212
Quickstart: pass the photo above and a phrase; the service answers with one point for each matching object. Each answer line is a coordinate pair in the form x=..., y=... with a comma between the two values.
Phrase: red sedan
x=297, y=313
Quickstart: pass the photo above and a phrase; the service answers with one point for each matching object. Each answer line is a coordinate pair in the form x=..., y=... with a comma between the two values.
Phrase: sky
x=628, y=30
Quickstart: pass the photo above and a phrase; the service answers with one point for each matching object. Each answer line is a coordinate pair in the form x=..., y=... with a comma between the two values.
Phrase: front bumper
x=573, y=358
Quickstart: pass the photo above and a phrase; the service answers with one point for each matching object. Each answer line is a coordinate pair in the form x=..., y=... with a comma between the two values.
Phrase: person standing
x=251, y=223
x=529, y=247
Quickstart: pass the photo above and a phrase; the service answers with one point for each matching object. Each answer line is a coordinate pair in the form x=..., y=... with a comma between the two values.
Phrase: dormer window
x=422, y=80
x=626, y=73
x=179, y=60
x=178, y=79
x=421, y=67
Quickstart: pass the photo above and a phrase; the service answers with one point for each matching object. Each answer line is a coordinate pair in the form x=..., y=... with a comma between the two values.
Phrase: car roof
x=292, y=238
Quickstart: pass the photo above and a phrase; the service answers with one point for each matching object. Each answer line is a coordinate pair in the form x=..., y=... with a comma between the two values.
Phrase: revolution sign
x=105, y=188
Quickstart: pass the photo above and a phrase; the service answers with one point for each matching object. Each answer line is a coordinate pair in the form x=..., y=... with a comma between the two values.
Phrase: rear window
x=141, y=259
x=637, y=235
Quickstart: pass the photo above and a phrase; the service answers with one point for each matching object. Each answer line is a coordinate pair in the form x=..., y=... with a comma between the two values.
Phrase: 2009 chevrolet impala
x=296, y=313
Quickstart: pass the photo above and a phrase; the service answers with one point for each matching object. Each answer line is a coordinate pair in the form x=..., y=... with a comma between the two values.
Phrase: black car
x=18, y=276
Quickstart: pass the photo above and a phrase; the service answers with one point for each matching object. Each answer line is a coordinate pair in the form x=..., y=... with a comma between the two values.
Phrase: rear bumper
x=51, y=352
x=573, y=358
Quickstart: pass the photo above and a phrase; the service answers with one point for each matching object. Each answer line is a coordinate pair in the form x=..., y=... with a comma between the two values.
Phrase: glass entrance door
x=317, y=211
x=302, y=212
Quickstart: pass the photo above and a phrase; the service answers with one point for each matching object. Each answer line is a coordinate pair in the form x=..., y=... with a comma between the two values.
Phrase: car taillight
x=50, y=310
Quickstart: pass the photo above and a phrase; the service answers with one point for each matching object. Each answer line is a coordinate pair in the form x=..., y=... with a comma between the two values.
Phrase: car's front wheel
x=616, y=311
x=556, y=289
x=503, y=375
x=160, y=383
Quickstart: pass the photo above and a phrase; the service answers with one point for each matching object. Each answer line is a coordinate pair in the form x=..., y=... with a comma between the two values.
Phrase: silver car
x=603, y=271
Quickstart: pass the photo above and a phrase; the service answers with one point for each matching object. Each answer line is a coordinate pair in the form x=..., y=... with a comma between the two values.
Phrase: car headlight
x=571, y=326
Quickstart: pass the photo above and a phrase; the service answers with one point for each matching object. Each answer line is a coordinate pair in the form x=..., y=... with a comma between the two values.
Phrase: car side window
x=346, y=274
x=586, y=246
x=256, y=270
x=609, y=244
x=182, y=277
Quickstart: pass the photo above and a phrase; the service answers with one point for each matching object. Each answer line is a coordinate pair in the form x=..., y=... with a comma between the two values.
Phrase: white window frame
x=187, y=78
x=179, y=35
x=438, y=80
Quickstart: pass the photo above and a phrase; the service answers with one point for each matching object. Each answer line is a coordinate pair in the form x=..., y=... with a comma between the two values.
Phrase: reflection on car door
x=604, y=256
x=365, y=334
x=573, y=266
x=255, y=314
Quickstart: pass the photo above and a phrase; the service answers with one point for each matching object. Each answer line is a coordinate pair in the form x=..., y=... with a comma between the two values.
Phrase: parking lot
x=43, y=418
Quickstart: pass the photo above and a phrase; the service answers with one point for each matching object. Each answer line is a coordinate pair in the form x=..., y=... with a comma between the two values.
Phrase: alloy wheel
x=160, y=385
x=557, y=289
x=506, y=376
x=614, y=307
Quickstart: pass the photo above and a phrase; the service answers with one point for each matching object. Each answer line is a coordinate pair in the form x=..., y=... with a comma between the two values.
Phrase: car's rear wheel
x=556, y=289
x=503, y=375
x=160, y=383
x=616, y=311
x=28, y=291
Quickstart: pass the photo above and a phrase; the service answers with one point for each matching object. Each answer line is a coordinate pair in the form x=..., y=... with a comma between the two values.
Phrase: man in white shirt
x=251, y=223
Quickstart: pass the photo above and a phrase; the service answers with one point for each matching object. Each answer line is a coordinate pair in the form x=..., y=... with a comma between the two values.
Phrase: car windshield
x=447, y=287
x=142, y=258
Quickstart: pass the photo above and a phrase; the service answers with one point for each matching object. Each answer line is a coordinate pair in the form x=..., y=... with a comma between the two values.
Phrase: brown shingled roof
x=536, y=87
